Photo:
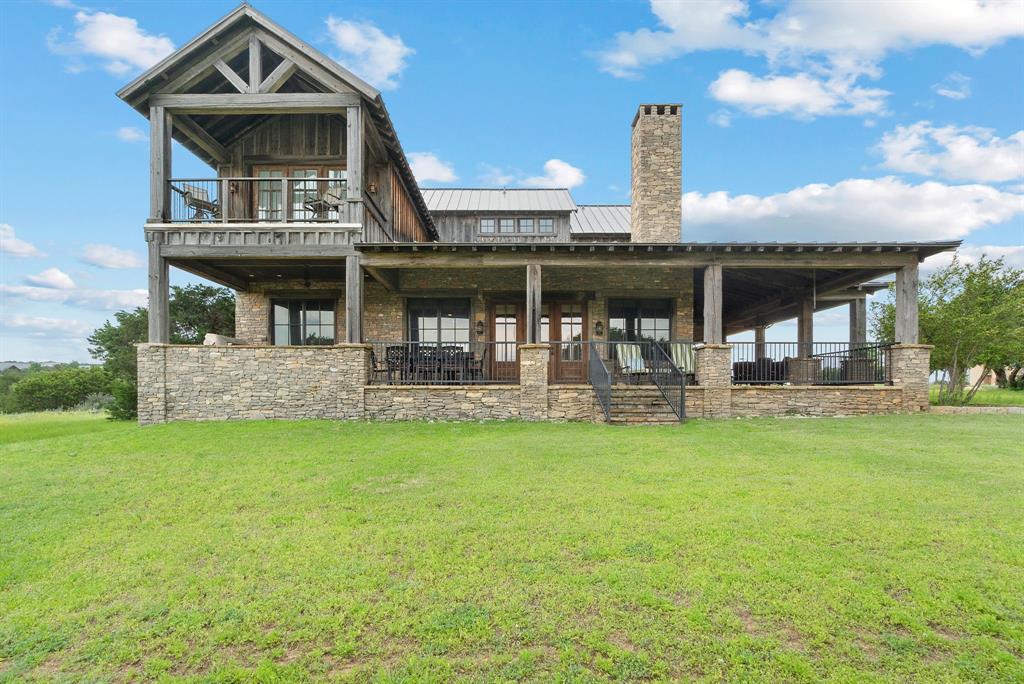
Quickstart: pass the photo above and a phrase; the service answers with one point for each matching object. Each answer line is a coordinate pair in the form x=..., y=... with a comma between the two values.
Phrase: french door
x=562, y=323
x=306, y=198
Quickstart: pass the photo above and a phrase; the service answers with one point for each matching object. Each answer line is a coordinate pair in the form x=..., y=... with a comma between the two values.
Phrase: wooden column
x=160, y=129
x=858, y=320
x=354, y=162
x=805, y=327
x=713, y=328
x=759, y=346
x=159, y=292
x=353, y=300
x=906, y=305
x=533, y=303
x=255, y=65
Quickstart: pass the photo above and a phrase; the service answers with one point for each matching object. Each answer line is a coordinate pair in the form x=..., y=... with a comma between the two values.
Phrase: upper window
x=506, y=225
x=546, y=225
x=523, y=225
x=486, y=225
x=526, y=225
x=303, y=321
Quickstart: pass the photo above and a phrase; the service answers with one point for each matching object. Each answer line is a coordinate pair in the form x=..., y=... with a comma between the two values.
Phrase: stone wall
x=910, y=371
x=480, y=402
x=252, y=307
x=657, y=174
x=794, y=400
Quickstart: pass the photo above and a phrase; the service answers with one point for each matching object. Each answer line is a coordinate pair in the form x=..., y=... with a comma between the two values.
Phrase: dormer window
x=486, y=225
x=546, y=225
x=526, y=225
x=506, y=225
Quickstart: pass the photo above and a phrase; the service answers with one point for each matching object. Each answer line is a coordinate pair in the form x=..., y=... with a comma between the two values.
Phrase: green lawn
x=988, y=396
x=868, y=549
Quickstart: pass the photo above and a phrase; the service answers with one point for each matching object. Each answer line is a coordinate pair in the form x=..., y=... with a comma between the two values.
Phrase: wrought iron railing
x=669, y=379
x=817, y=363
x=445, y=363
x=600, y=379
x=649, y=363
x=256, y=200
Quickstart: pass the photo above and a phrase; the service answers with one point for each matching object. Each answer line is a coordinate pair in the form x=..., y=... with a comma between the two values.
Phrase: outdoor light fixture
x=598, y=328
x=479, y=328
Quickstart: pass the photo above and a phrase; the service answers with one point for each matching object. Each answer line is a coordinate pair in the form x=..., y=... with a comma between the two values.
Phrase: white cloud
x=49, y=328
x=801, y=95
x=1012, y=255
x=368, y=52
x=721, y=118
x=836, y=42
x=494, y=176
x=116, y=41
x=883, y=209
x=955, y=86
x=557, y=174
x=959, y=153
x=130, y=134
x=102, y=300
x=12, y=245
x=53, y=278
x=106, y=256
x=429, y=168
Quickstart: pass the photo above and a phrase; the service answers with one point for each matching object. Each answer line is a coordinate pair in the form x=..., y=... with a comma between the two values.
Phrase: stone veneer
x=911, y=366
x=252, y=307
x=657, y=174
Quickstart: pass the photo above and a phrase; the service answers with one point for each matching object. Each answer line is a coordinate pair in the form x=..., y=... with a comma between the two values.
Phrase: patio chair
x=631, y=362
x=475, y=365
x=452, y=363
x=682, y=356
x=197, y=199
x=425, y=363
x=396, y=362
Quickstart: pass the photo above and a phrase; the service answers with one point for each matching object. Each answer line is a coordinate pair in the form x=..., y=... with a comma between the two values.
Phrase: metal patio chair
x=631, y=362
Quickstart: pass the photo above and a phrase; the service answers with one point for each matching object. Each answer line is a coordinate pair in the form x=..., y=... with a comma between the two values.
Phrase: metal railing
x=669, y=379
x=648, y=363
x=817, y=363
x=255, y=200
x=445, y=363
x=600, y=379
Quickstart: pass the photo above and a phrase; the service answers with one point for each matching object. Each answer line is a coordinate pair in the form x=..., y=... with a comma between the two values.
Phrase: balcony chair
x=198, y=200
x=631, y=362
x=396, y=363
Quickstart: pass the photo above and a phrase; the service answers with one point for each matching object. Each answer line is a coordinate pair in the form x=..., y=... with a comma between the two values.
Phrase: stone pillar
x=657, y=174
x=714, y=374
x=353, y=375
x=910, y=364
x=151, y=377
x=533, y=381
x=252, y=317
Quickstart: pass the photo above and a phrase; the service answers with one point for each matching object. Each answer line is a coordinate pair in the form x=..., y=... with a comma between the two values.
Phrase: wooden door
x=567, y=328
x=508, y=328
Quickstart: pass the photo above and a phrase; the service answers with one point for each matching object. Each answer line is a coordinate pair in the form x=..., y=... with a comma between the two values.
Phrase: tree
x=973, y=314
x=61, y=388
x=194, y=311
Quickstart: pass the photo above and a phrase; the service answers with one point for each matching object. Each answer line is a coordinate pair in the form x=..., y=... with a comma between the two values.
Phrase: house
x=362, y=295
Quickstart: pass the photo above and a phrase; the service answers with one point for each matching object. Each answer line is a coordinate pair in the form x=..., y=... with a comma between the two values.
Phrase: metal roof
x=603, y=219
x=498, y=199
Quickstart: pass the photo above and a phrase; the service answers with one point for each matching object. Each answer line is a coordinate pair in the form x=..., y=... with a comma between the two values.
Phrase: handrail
x=600, y=379
x=667, y=377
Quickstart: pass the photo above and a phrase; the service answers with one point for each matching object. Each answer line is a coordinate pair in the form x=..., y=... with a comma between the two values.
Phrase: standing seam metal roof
x=508, y=199
x=603, y=219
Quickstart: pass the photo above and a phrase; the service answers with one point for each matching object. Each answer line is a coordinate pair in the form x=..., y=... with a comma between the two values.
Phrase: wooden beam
x=160, y=130
x=233, y=78
x=533, y=303
x=906, y=304
x=759, y=341
x=159, y=293
x=277, y=77
x=212, y=273
x=226, y=51
x=200, y=137
x=713, y=328
x=257, y=251
x=255, y=103
x=389, y=279
x=858, y=320
x=354, y=151
x=316, y=67
x=255, y=64
x=353, y=300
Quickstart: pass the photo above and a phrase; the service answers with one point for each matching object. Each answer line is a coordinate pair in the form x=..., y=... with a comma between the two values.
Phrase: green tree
x=973, y=314
x=61, y=388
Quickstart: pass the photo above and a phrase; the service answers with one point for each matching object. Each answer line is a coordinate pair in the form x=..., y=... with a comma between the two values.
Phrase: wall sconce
x=598, y=329
x=479, y=328
x=372, y=187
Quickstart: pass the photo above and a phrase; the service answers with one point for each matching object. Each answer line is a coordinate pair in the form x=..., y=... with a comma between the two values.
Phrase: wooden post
x=533, y=303
x=759, y=346
x=225, y=193
x=858, y=320
x=160, y=129
x=805, y=327
x=354, y=162
x=353, y=300
x=713, y=304
x=255, y=64
x=159, y=296
x=906, y=305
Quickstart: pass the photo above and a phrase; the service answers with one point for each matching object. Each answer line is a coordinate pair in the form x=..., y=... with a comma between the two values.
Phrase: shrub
x=125, y=400
x=98, y=401
x=62, y=388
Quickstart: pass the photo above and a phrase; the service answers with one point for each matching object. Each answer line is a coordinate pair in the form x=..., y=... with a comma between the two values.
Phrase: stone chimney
x=657, y=167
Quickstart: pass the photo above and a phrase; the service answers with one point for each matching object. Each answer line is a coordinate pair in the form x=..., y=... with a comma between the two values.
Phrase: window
x=526, y=225
x=486, y=225
x=303, y=321
x=643, y=320
x=506, y=225
x=309, y=199
x=439, y=320
x=546, y=225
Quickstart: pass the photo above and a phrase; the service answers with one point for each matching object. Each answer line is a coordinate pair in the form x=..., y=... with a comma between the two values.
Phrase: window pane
x=526, y=225
x=506, y=226
x=486, y=225
x=546, y=225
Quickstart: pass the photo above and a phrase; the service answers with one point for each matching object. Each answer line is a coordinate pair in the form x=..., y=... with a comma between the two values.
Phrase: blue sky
x=802, y=120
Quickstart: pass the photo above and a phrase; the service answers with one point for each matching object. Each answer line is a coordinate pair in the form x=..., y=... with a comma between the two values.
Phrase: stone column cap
x=535, y=345
x=899, y=345
x=702, y=345
x=351, y=345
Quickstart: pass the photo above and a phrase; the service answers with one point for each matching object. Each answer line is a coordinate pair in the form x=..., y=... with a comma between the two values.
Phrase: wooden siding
x=465, y=227
x=406, y=223
x=290, y=137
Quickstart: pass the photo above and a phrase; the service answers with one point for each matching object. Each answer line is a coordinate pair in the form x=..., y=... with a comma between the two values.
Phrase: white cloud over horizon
x=429, y=168
x=117, y=42
x=108, y=256
x=12, y=245
x=1012, y=256
x=47, y=328
x=802, y=95
x=966, y=153
x=557, y=174
x=99, y=300
x=52, y=278
x=368, y=52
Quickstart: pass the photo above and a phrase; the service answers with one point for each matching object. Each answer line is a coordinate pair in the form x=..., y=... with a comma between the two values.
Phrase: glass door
x=566, y=326
x=508, y=328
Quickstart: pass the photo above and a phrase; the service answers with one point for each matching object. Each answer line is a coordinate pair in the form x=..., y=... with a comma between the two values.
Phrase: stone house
x=362, y=295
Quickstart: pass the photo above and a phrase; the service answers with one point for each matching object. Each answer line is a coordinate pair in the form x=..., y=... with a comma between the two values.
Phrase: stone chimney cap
x=671, y=109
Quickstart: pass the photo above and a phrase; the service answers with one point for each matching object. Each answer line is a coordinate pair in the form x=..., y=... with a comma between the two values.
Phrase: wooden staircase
x=640, y=405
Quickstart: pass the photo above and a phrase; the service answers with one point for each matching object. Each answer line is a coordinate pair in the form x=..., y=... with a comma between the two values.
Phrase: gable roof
x=498, y=199
x=600, y=219
x=316, y=72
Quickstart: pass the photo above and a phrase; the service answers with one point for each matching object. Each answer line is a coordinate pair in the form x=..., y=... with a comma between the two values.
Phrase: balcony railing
x=818, y=363
x=445, y=363
x=262, y=200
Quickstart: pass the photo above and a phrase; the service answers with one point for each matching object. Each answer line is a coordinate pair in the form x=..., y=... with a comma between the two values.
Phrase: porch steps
x=640, y=405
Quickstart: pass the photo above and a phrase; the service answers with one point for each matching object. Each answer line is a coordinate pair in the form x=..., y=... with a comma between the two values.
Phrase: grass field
x=868, y=549
x=989, y=396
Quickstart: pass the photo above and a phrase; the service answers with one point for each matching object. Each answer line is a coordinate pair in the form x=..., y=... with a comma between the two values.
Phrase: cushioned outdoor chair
x=682, y=356
x=631, y=362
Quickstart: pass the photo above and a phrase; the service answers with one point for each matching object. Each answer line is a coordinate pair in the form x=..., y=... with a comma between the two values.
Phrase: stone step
x=638, y=420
